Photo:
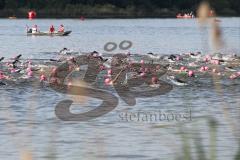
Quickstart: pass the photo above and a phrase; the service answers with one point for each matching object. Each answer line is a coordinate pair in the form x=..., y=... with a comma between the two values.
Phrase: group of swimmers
x=35, y=29
x=178, y=69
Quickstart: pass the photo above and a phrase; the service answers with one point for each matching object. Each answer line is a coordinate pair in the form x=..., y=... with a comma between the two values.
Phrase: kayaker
x=61, y=28
x=52, y=29
x=34, y=29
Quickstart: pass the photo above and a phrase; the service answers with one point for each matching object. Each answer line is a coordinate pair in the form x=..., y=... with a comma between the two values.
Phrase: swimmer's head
x=109, y=72
x=190, y=73
x=204, y=68
x=102, y=67
x=29, y=69
x=30, y=74
x=142, y=74
x=43, y=78
x=183, y=68
x=155, y=80
x=178, y=58
x=107, y=81
x=146, y=70
x=207, y=58
x=158, y=67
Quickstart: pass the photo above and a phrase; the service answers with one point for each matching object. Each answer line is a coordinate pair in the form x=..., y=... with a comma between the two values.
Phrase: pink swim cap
x=190, y=73
x=107, y=81
x=13, y=70
x=142, y=69
x=155, y=80
x=30, y=74
x=158, y=67
x=183, y=68
x=2, y=76
x=207, y=58
x=204, y=68
x=43, y=78
x=146, y=70
x=142, y=74
x=102, y=67
x=233, y=76
x=109, y=72
x=192, y=64
x=29, y=69
x=178, y=58
x=217, y=62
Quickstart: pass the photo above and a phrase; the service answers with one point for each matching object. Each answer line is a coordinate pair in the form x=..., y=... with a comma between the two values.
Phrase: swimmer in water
x=177, y=73
x=176, y=81
x=95, y=54
x=2, y=84
x=195, y=55
x=64, y=51
x=1, y=59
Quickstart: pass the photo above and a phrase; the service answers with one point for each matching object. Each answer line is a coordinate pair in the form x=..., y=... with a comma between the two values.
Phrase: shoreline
x=147, y=17
x=100, y=15
x=114, y=18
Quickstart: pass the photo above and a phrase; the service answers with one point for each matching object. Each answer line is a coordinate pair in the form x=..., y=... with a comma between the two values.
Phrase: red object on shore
x=32, y=14
x=184, y=16
x=211, y=13
x=82, y=18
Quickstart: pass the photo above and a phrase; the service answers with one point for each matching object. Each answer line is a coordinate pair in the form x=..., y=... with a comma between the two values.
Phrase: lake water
x=29, y=125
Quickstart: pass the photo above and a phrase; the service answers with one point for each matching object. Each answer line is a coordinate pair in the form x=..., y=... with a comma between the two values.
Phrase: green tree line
x=113, y=8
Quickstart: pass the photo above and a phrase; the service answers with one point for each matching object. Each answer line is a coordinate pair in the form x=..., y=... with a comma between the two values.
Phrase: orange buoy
x=32, y=14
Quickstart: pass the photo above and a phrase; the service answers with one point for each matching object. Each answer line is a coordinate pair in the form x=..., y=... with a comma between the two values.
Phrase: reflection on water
x=29, y=125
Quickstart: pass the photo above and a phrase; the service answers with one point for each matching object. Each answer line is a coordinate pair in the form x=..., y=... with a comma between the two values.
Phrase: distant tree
x=235, y=4
x=2, y=4
x=219, y=5
x=139, y=6
x=11, y=4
